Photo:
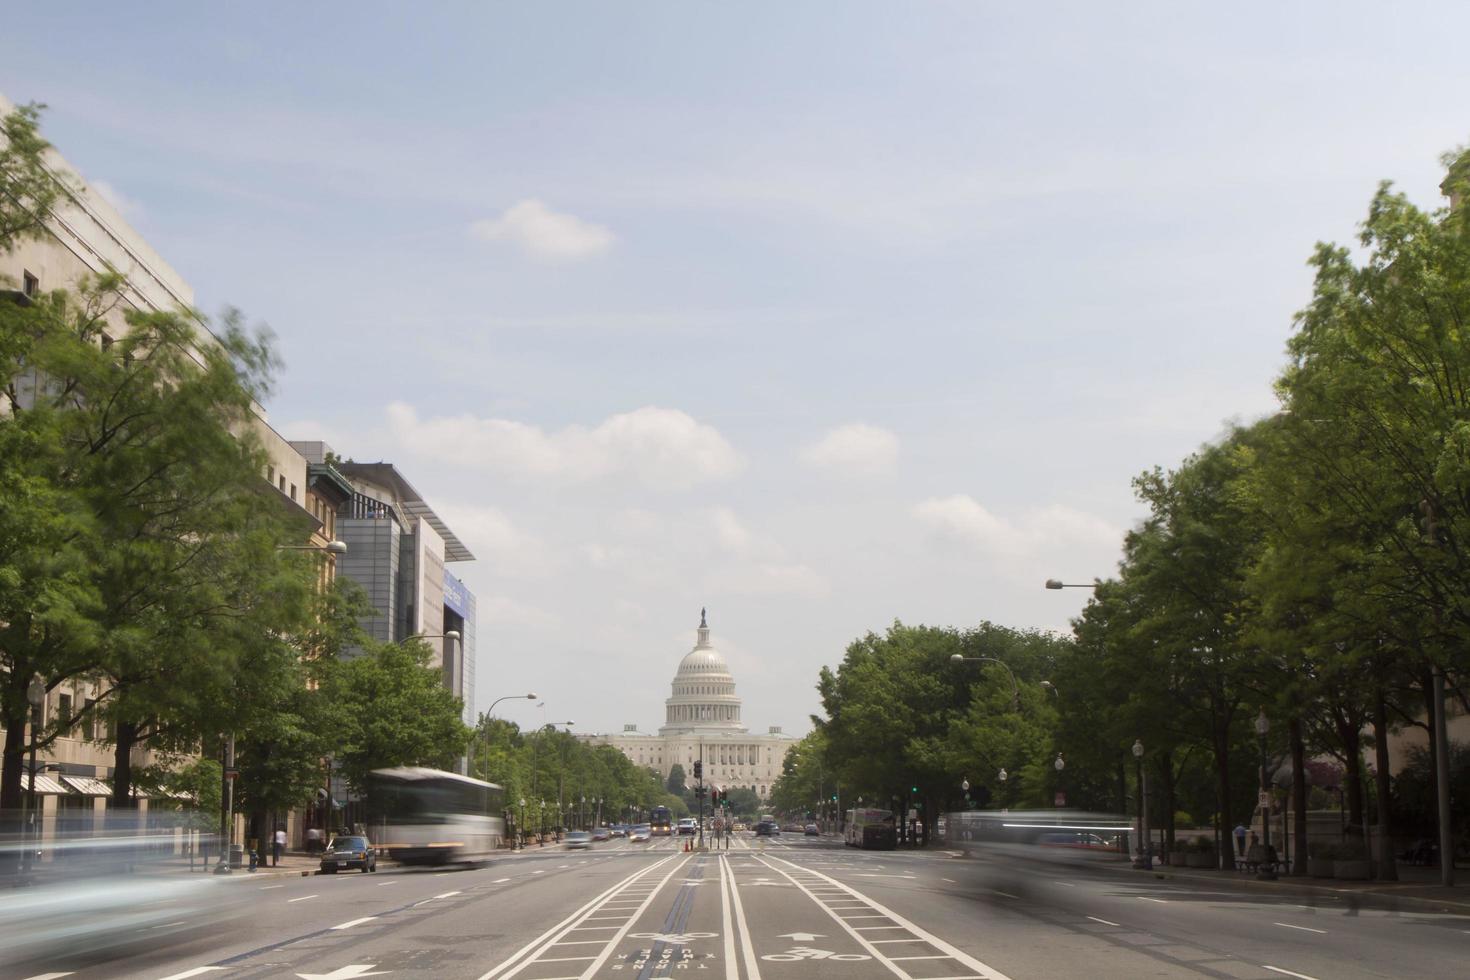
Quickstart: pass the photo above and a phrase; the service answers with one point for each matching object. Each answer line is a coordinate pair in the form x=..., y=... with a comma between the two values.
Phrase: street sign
x=1061, y=799
x=1264, y=799
x=913, y=814
x=232, y=774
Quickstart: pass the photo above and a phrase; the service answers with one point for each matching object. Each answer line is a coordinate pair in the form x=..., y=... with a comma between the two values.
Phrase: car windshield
x=348, y=844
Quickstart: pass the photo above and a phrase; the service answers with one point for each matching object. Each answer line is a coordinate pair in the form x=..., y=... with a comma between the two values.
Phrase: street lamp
x=1265, y=872
x=330, y=548
x=1146, y=853
x=35, y=696
x=510, y=697
x=1015, y=687
x=1049, y=686
x=1053, y=583
x=1002, y=775
x=1060, y=764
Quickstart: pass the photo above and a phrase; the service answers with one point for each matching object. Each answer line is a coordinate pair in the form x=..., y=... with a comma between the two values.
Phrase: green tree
x=392, y=709
x=676, y=780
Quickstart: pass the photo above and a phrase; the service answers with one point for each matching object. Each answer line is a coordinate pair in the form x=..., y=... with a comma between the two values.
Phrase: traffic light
x=834, y=797
x=714, y=797
x=698, y=768
x=696, y=772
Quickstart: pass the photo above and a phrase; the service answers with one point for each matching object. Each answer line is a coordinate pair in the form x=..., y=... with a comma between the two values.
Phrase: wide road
x=789, y=908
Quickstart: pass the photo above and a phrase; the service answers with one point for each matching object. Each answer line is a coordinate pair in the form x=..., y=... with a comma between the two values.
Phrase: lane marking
x=557, y=932
x=448, y=895
x=637, y=913
x=301, y=899
x=191, y=973
x=1160, y=901
x=264, y=888
x=950, y=880
x=1065, y=884
x=385, y=884
x=981, y=969
x=931, y=957
x=1006, y=894
x=1288, y=925
x=1277, y=969
x=51, y=976
x=355, y=922
x=1103, y=921
x=747, y=948
x=732, y=970
x=499, y=881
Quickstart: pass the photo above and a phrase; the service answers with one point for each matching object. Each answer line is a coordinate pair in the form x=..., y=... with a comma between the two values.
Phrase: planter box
x=1358, y=869
x=1320, y=867
x=1197, y=859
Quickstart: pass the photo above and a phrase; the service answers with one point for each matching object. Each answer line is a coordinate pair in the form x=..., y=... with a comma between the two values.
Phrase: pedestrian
x=278, y=846
x=313, y=840
x=1240, y=833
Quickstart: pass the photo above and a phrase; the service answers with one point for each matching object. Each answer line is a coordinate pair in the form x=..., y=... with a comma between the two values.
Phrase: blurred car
x=767, y=828
x=1080, y=840
x=347, y=853
x=619, y=830
x=739, y=826
x=688, y=826
x=640, y=832
x=812, y=831
x=601, y=833
x=577, y=840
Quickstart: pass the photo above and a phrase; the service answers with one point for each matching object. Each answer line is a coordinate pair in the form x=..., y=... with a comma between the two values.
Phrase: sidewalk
x=1417, y=887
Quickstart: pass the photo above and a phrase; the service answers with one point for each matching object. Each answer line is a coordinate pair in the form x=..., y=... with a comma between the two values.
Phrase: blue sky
x=820, y=315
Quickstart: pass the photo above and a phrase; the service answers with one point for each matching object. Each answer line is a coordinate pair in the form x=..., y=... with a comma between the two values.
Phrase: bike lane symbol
x=808, y=953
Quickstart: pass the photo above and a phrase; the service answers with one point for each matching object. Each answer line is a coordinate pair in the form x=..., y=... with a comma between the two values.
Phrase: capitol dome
x=703, y=696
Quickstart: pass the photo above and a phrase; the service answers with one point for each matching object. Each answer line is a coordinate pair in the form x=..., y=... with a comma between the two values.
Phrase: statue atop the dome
x=702, y=624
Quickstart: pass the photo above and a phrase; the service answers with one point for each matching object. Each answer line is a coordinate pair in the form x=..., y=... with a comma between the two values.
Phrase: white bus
x=427, y=816
x=871, y=829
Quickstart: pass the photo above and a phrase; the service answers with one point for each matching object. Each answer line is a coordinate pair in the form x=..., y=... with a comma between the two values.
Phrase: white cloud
x=856, y=448
x=124, y=205
x=501, y=547
x=770, y=578
x=662, y=447
x=729, y=532
x=543, y=232
x=964, y=519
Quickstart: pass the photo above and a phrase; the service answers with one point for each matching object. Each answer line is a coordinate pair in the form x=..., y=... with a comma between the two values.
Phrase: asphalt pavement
x=789, y=908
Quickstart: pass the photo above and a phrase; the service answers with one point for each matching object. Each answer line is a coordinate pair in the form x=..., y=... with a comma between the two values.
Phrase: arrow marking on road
x=346, y=972
x=801, y=937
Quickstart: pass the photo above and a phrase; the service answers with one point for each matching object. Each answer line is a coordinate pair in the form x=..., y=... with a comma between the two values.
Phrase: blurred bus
x=661, y=821
x=871, y=829
x=427, y=816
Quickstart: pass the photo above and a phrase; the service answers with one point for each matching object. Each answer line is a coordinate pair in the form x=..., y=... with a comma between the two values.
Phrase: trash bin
x=237, y=855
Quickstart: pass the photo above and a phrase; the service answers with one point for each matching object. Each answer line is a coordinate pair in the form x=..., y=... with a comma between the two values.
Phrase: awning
x=44, y=784
x=87, y=786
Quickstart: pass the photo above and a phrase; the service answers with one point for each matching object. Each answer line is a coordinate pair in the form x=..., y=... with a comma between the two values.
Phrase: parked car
x=577, y=840
x=346, y=853
x=601, y=833
x=812, y=831
x=688, y=826
x=640, y=832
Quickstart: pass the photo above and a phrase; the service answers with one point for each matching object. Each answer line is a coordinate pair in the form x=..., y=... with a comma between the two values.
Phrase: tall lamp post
x=1146, y=851
x=35, y=697
x=1015, y=687
x=470, y=757
x=1059, y=765
x=1265, y=872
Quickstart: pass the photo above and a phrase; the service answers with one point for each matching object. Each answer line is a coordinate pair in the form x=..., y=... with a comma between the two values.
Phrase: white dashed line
x=499, y=881
x=1277, y=969
x=1006, y=894
x=385, y=884
x=950, y=880
x=447, y=895
x=1103, y=921
x=1288, y=925
x=50, y=976
x=355, y=922
x=264, y=888
x=1161, y=901
x=192, y=973
x=301, y=899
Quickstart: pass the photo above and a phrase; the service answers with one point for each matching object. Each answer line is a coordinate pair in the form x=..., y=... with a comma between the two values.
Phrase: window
x=89, y=720
x=282, y=484
x=63, y=707
x=293, y=491
x=270, y=474
x=38, y=716
x=30, y=283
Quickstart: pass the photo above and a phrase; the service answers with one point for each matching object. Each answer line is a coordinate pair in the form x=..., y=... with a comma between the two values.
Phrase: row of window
x=87, y=724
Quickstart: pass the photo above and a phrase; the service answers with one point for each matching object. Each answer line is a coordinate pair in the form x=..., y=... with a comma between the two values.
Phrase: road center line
x=732, y=971
x=747, y=948
x=1289, y=973
x=1288, y=925
x=355, y=922
x=1103, y=921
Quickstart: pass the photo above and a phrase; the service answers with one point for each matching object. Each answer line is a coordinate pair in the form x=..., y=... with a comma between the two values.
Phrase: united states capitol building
x=702, y=720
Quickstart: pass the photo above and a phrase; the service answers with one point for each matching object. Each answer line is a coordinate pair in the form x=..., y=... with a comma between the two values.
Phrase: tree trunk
x=1350, y=735
x=1222, y=788
x=122, y=766
x=1387, y=868
x=1299, y=797
x=12, y=784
